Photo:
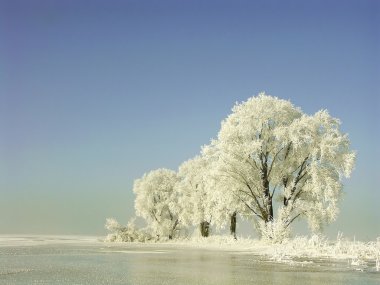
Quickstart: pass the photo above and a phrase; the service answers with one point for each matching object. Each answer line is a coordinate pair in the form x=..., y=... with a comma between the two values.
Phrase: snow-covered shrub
x=274, y=231
x=129, y=233
x=318, y=246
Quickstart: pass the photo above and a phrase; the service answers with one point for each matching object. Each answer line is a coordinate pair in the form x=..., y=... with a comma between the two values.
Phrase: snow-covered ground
x=361, y=255
x=215, y=260
x=316, y=246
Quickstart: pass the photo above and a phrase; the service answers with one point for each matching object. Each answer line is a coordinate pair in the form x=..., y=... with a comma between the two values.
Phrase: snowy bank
x=356, y=253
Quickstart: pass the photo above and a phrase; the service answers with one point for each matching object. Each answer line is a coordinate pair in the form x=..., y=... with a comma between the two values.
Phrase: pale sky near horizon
x=95, y=93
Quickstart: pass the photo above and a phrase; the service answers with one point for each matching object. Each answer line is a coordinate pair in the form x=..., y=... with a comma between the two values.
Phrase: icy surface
x=86, y=260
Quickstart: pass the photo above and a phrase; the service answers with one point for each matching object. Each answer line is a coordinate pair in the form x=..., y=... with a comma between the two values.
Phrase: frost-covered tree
x=192, y=191
x=201, y=205
x=157, y=202
x=270, y=151
x=220, y=191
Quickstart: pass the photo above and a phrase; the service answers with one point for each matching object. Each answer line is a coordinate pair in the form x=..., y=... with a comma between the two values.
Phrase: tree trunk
x=173, y=229
x=205, y=228
x=270, y=209
x=265, y=184
x=233, y=225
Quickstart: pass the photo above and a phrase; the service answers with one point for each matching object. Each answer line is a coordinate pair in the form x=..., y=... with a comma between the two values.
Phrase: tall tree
x=268, y=150
x=157, y=202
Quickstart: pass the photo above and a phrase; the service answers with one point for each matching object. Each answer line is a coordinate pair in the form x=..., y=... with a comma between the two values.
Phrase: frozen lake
x=64, y=260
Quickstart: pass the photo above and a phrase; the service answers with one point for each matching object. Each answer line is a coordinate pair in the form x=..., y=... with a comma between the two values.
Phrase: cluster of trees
x=270, y=163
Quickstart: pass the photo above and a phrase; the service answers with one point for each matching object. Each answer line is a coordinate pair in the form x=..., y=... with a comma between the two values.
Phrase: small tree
x=268, y=151
x=156, y=201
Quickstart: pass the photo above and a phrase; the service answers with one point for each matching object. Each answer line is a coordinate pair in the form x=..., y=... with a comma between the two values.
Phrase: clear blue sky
x=95, y=93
